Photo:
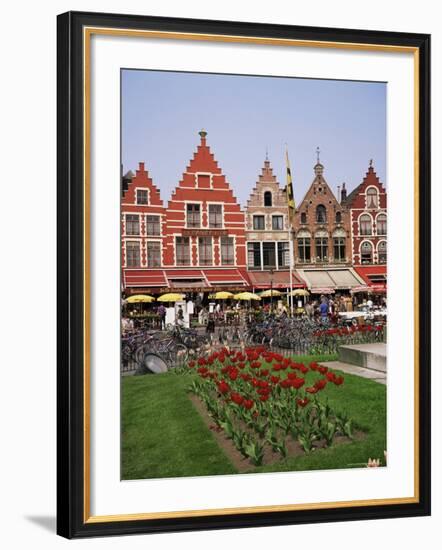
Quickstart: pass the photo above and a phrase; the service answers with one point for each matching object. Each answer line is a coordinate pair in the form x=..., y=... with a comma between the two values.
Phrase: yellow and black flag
x=289, y=188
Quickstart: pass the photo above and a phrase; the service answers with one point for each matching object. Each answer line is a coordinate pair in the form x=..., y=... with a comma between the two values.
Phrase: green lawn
x=164, y=436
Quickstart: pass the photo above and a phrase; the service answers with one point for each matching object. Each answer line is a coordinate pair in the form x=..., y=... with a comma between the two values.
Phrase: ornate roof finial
x=267, y=154
x=371, y=163
x=317, y=155
x=202, y=133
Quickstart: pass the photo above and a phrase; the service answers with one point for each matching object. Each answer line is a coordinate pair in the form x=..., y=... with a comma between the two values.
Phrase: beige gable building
x=267, y=233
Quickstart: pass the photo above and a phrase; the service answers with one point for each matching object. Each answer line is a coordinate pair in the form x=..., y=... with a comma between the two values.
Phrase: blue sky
x=162, y=113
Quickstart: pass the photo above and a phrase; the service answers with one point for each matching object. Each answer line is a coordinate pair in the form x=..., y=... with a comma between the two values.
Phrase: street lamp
x=271, y=290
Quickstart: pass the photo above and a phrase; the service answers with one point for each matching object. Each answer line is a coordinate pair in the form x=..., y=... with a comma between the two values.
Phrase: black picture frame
x=71, y=518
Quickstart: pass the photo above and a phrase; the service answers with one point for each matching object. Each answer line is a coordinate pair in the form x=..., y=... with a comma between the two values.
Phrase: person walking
x=162, y=316
x=323, y=310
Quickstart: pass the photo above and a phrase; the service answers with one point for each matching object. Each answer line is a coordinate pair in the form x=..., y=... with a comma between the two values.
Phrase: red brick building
x=367, y=205
x=142, y=231
x=196, y=244
x=322, y=239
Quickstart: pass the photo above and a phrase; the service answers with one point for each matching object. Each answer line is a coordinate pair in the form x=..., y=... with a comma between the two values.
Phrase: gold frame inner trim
x=87, y=33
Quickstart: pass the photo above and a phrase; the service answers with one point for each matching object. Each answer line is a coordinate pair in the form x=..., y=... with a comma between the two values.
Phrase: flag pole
x=290, y=208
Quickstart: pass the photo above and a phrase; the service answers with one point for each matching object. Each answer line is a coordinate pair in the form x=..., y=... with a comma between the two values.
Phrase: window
x=205, y=250
x=215, y=215
x=372, y=198
x=365, y=225
x=366, y=253
x=321, y=214
x=338, y=217
x=268, y=255
x=153, y=225
x=182, y=248
x=321, y=245
x=132, y=254
x=142, y=196
x=339, y=249
x=153, y=254
x=258, y=222
x=193, y=215
x=227, y=251
x=283, y=254
x=254, y=255
x=303, y=217
x=132, y=224
x=277, y=223
x=268, y=198
x=304, y=248
x=382, y=252
x=381, y=224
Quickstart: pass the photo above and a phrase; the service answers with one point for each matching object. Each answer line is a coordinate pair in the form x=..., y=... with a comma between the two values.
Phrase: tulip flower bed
x=268, y=405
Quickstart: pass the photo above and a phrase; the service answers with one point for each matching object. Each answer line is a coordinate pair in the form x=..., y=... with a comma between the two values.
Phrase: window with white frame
x=142, y=196
x=366, y=253
x=283, y=254
x=193, y=215
x=254, y=255
x=381, y=224
x=132, y=254
x=153, y=254
x=365, y=225
x=182, y=250
x=205, y=250
x=153, y=225
x=277, y=223
x=258, y=222
x=304, y=249
x=132, y=224
x=382, y=252
x=227, y=251
x=372, y=198
x=215, y=215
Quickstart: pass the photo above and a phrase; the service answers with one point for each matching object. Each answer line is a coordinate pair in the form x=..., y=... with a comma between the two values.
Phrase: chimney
x=141, y=167
x=343, y=192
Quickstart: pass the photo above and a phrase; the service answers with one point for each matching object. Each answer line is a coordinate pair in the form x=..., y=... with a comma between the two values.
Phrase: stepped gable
x=204, y=174
x=141, y=180
x=370, y=179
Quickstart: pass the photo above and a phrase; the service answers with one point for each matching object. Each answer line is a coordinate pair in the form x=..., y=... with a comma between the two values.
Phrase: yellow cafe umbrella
x=222, y=295
x=140, y=299
x=171, y=297
x=299, y=292
x=246, y=296
x=270, y=293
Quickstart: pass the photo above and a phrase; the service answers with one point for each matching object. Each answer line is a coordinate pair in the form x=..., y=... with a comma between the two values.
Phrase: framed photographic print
x=243, y=274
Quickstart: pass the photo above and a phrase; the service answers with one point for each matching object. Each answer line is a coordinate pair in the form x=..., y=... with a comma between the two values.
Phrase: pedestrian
x=323, y=309
x=180, y=315
x=210, y=328
x=162, y=316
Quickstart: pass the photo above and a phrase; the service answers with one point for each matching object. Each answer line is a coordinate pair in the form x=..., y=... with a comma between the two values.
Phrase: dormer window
x=303, y=217
x=268, y=198
x=372, y=198
x=142, y=196
x=338, y=217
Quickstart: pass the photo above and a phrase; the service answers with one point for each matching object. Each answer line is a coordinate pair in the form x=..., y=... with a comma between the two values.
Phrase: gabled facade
x=142, y=228
x=267, y=225
x=367, y=205
x=321, y=226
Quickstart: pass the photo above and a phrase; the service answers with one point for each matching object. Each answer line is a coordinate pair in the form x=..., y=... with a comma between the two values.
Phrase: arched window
x=321, y=214
x=372, y=198
x=381, y=224
x=268, y=198
x=338, y=217
x=366, y=253
x=303, y=217
x=365, y=225
x=382, y=252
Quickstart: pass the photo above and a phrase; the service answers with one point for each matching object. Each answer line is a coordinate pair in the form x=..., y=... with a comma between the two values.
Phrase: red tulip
x=248, y=403
x=192, y=364
x=320, y=384
x=311, y=389
x=303, y=402
x=338, y=380
x=264, y=397
x=297, y=383
x=223, y=387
